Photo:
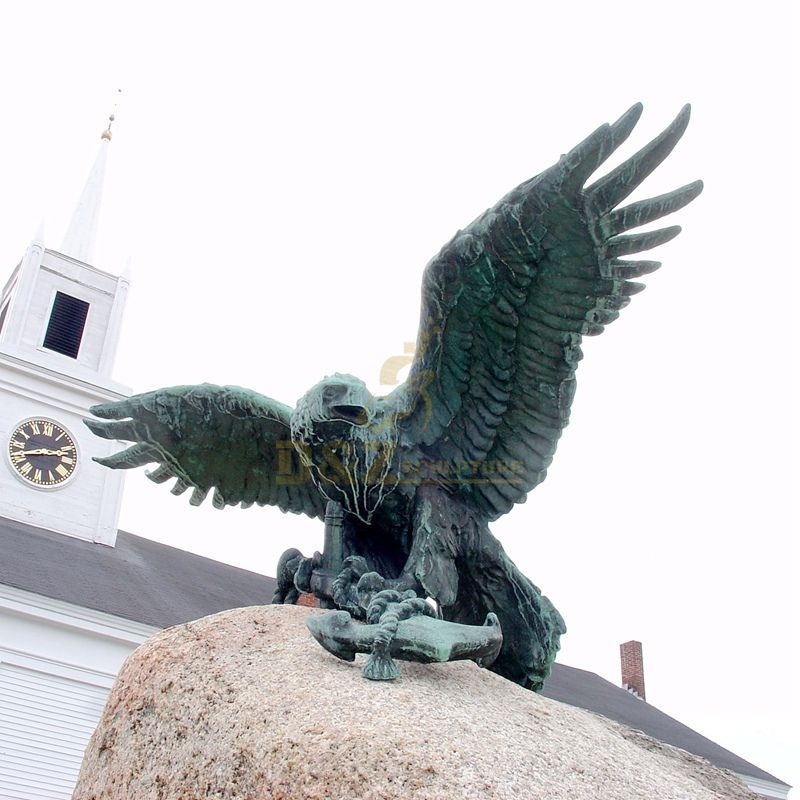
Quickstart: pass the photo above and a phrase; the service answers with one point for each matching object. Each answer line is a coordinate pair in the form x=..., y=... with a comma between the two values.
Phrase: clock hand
x=43, y=451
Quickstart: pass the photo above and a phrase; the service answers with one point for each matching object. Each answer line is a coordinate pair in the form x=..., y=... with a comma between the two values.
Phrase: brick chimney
x=630, y=655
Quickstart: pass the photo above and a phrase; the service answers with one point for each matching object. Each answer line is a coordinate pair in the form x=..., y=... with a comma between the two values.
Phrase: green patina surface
x=415, y=478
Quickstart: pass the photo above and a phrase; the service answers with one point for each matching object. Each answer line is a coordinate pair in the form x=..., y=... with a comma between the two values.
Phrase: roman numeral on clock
x=42, y=452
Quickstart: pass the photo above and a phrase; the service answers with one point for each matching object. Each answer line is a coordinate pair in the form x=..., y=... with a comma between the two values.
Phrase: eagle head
x=348, y=443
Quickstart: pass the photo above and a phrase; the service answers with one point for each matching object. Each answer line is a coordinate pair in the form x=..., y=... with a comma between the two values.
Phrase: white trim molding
x=764, y=788
x=73, y=616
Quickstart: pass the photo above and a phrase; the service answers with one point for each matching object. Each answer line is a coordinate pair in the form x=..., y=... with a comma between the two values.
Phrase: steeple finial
x=79, y=240
x=106, y=134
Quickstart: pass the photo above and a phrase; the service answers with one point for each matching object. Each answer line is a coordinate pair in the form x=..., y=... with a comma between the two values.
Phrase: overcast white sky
x=280, y=175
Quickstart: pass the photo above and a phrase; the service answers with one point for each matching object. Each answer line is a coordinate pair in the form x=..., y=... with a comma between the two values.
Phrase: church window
x=67, y=321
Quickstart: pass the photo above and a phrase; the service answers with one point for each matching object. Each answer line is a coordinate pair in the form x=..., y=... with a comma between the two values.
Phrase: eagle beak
x=356, y=415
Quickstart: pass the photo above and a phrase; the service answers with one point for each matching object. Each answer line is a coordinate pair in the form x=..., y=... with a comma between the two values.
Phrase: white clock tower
x=60, y=320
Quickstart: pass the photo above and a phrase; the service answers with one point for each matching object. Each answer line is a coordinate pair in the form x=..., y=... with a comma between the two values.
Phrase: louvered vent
x=65, y=329
x=3, y=312
x=45, y=724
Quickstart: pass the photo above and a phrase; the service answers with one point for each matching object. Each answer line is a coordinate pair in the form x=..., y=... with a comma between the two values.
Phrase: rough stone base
x=245, y=705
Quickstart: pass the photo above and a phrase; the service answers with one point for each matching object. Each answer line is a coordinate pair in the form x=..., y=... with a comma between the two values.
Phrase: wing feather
x=507, y=301
x=220, y=439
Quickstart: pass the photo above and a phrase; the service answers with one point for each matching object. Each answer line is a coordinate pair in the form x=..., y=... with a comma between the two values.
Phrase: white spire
x=79, y=240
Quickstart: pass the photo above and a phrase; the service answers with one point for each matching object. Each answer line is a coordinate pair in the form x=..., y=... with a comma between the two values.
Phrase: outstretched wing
x=506, y=303
x=222, y=437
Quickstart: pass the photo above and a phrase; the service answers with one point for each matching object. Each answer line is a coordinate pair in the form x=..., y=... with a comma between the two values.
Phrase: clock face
x=42, y=453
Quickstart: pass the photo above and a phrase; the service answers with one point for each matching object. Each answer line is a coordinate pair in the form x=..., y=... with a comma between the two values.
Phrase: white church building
x=76, y=594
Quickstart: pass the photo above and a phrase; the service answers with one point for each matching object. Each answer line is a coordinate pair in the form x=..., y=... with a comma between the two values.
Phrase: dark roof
x=587, y=690
x=138, y=579
x=159, y=585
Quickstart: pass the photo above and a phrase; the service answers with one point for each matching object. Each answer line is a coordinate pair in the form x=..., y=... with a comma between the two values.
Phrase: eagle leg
x=461, y=565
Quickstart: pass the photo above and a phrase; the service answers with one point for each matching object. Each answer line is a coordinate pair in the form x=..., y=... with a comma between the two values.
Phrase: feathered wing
x=506, y=303
x=224, y=438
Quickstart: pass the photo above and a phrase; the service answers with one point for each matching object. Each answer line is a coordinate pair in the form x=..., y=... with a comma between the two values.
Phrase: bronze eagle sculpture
x=420, y=474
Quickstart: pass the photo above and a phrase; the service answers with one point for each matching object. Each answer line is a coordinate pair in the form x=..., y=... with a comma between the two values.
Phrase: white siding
x=45, y=723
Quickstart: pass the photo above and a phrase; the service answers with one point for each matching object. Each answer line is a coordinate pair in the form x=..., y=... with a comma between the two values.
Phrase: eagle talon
x=294, y=576
x=345, y=591
x=285, y=591
x=368, y=586
x=304, y=571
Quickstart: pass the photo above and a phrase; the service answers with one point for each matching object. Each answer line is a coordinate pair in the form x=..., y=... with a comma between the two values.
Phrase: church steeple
x=59, y=310
x=79, y=240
